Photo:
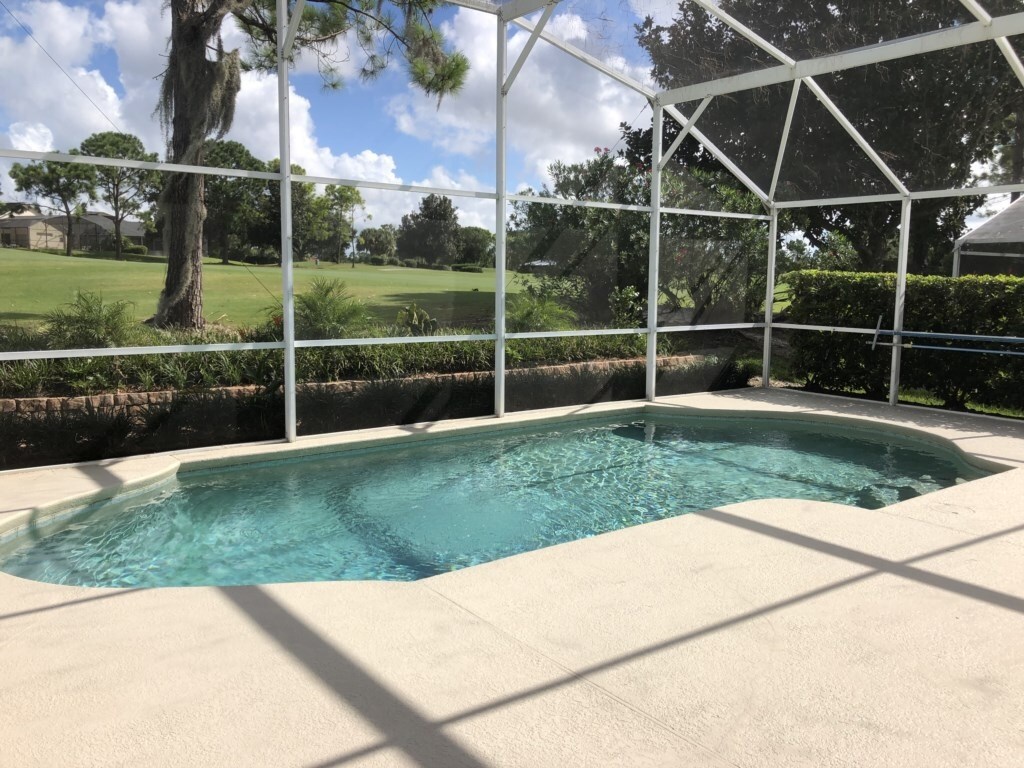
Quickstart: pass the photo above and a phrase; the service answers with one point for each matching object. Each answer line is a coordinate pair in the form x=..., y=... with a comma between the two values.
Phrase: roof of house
x=129, y=227
x=1005, y=228
x=24, y=219
x=24, y=212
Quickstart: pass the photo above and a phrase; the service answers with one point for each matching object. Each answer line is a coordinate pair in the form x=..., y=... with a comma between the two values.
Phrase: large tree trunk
x=69, y=230
x=181, y=303
x=117, y=236
x=195, y=90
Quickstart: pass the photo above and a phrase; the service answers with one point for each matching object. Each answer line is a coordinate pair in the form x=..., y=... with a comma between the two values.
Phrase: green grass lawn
x=33, y=283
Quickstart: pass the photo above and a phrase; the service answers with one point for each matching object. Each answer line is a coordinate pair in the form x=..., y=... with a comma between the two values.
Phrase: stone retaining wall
x=130, y=401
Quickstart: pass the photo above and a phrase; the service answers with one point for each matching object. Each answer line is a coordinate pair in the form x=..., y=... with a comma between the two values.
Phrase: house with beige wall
x=33, y=229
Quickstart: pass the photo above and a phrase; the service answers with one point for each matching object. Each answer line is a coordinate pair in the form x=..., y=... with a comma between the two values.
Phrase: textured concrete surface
x=770, y=633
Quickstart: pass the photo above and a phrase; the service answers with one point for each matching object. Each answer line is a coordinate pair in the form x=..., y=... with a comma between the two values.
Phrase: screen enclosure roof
x=806, y=101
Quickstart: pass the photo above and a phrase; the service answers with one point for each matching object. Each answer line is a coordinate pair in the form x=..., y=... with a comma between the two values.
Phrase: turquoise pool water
x=405, y=513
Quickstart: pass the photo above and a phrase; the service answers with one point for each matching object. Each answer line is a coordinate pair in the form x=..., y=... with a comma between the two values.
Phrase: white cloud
x=662, y=11
x=31, y=137
x=45, y=111
x=71, y=31
x=559, y=108
x=47, y=96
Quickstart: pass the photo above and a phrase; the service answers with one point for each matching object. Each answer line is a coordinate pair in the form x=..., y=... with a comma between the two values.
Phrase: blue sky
x=383, y=131
x=560, y=109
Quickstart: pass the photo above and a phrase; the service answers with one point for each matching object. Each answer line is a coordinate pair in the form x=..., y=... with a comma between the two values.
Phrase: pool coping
x=33, y=497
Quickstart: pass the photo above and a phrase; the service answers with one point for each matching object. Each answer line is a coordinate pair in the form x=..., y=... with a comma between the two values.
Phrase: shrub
x=528, y=353
x=378, y=261
x=393, y=261
x=467, y=268
x=135, y=250
x=14, y=338
x=526, y=313
x=416, y=321
x=326, y=310
x=411, y=263
x=260, y=254
x=628, y=307
x=975, y=304
x=87, y=323
x=439, y=267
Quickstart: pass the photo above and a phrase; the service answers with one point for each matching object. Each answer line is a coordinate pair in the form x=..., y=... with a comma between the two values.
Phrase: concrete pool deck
x=769, y=633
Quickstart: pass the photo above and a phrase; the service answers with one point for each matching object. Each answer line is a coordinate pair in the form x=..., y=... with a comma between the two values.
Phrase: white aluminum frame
x=286, y=36
x=501, y=214
x=800, y=73
x=654, y=246
x=890, y=50
x=901, y=302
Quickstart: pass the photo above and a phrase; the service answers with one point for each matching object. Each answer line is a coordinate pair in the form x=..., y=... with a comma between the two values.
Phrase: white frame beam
x=501, y=214
x=651, y=96
x=720, y=156
x=1011, y=57
x=854, y=134
x=892, y=197
x=931, y=42
x=287, y=274
x=525, y=54
x=713, y=9
x=293, y=28
x=585, y=58
x=542, y=200
x=392, y=187
x=63, y=157
x=901, y=303
x=484, y=6
x=514, y=9
x=769, y=300
x=687, y=129
x=784, y=141
x=654, y=258
x=977, y=11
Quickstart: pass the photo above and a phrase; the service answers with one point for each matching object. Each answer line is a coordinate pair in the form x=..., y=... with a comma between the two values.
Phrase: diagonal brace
x=293, y=29
x=684, y=133
x=534, y=37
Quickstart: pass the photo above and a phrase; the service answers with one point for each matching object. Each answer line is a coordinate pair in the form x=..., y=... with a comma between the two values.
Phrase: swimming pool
x=407, y=512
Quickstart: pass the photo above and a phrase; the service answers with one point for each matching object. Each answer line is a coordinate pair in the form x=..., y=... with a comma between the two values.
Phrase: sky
x=385, y=130
x=559, y=109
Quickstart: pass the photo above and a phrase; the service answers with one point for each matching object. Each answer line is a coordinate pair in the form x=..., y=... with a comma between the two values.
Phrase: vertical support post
x=655, y=251
x=901, y=302
x=956, y=261
x=499, y=218
x=769, y=298
x=287, y=278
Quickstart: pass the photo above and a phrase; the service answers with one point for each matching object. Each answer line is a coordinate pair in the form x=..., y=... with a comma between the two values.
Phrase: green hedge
x=197, y=371
x=975, y=304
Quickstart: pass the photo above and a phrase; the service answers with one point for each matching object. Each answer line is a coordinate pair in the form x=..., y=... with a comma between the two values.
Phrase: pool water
x=405, y=513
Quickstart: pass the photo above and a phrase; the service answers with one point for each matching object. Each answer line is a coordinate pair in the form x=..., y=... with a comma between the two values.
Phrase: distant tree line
x=242, y=215
x=242, y=221
x=430, y=236
x=70, y=186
